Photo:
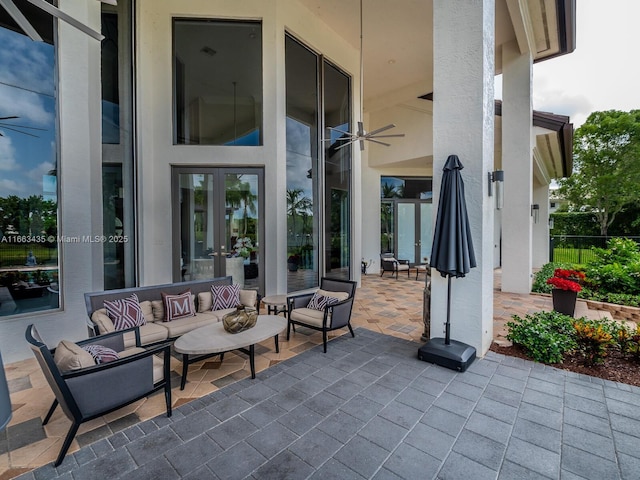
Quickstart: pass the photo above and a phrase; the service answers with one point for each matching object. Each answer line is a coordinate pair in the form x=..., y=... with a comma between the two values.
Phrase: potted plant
x=566, y=285
x=292, y=262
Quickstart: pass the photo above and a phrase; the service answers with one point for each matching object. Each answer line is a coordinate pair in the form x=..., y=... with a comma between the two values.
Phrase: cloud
x=8, y=187
x=7, y=154
x=31, y=108
x=38, y=171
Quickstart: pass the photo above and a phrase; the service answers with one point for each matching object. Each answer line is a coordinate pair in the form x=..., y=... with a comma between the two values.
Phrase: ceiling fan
x=361, y=135
x=17, y=128
x=28, y=29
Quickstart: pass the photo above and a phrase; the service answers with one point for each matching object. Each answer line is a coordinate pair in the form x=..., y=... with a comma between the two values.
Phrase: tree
x=606, y=156
x=297, y=204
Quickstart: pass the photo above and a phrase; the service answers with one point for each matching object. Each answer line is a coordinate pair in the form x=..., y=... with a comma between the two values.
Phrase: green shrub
x=545, y=336
x=615, y=269
x=540, y=278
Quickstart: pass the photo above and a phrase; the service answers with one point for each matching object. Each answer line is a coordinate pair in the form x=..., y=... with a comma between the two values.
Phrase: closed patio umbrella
x=452, y=255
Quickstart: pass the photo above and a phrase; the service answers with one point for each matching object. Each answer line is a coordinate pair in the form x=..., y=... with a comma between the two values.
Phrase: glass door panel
x=217, y=215
x=407, y=232
x=426, y=232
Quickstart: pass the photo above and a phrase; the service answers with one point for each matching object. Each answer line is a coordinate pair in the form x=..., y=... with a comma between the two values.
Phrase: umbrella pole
x=447, y=335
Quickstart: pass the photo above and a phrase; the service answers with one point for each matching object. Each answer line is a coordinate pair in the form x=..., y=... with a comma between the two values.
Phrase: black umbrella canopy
x=452, y=251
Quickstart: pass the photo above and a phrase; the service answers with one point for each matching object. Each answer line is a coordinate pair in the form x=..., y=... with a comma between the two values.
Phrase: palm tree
x=297, y=205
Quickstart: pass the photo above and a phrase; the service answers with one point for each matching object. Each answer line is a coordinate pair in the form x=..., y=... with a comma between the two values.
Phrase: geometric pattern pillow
x=319, y=302
x=177, y=306
x=125, y=313
x=225, y=296
x=101, y=354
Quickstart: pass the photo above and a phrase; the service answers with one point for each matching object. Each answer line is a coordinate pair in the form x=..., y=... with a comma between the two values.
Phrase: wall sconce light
x=535, y=212
x=497, y=177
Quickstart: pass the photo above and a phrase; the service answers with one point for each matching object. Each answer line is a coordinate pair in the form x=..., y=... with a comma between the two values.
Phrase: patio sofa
x=156, y=328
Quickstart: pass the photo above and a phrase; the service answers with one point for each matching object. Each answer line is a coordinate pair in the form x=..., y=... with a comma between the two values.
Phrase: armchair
x=86, y=391
x=389, y=264
x=327, y=316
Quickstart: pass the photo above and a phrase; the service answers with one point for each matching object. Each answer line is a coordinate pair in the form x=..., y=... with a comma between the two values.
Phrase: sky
x=603, y=73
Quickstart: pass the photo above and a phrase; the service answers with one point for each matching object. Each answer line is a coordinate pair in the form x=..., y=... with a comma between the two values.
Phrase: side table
x=276, y=304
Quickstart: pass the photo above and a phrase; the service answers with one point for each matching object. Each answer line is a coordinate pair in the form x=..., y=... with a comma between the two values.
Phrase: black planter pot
x=564, y=301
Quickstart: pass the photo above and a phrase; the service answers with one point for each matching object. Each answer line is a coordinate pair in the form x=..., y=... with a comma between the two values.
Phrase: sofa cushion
x=147, y=311
x=341, y=296
x=149, y=333
x=102, y=321
x=125, y=312
x=70, y=356
x=225, y=296
x=319, y=302
x=177, y=306
x=183, y=325
x=308, y=316
x=100, y=353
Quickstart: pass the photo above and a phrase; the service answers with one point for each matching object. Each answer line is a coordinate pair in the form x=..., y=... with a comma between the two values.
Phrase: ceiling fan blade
x=8, y=118
x=386, y=136
x=341, y=131
x=19, y=131
x=376, y=141
x=21, y=20
x=382, y=129
x=21, y=126
x=347, y=144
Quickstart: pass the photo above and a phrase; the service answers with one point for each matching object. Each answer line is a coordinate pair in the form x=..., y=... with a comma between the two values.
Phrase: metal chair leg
x=50, y=412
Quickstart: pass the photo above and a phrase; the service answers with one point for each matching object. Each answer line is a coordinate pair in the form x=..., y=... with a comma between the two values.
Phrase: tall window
x=28, y=170
x=217, y=82
x=117, y=146
x=318, y=178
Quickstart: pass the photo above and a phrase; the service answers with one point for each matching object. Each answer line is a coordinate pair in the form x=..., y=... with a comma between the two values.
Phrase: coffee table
x=213, y=339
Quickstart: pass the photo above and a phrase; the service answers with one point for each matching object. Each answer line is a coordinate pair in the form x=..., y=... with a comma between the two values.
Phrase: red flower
x=573, y=274
x=564, y=284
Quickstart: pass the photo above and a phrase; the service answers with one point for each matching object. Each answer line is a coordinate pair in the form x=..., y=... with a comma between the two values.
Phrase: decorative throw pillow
x=125, y=313
x=101, y=354
x=177, y=306
x=225, y=296
x=319, y=302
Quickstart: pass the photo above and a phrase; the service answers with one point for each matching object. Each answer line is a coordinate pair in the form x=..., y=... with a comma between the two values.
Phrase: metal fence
x=577, y=249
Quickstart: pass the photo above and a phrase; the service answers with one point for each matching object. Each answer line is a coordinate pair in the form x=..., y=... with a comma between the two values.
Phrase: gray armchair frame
x=336, y=316
x=88, y=393
x=390, y=264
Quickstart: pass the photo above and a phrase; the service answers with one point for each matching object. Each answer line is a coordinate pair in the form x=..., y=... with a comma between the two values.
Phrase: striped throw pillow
x=125, y=313
x=101, y=354
x=225, y=296
x=319, y=302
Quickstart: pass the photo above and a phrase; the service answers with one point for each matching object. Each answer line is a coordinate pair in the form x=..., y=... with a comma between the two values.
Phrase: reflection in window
x=302, y=166
x=217, y=82
x=28, y=175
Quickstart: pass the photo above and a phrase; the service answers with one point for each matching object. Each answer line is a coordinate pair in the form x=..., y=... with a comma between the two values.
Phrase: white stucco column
x=517, y=163
x=540, y=254
x=463, y=124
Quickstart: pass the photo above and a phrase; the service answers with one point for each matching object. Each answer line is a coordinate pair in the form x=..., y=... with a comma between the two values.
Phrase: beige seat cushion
x=147, y=311
x=149, y=333
x=341, y=296
x=402, y=266
x=308, y=316
x=181, y=326
x=102, y=320
x=69, y=356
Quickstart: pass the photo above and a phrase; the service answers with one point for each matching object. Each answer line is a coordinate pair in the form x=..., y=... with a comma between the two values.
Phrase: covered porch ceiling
x=398, y=37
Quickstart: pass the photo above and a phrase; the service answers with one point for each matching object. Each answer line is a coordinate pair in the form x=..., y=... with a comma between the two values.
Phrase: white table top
x=215, y=339
x=275, y=300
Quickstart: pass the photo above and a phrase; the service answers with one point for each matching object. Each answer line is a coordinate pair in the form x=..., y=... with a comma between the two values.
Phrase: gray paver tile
x=290, y=398
x=362, y=456
x=489, y=427
x=629, y=466
x=454, y=404
x=545, y=386
x=416, y=399
x=434, y=442
x=534, y=458
x=156, y=468
x=540, y=415
x=112, y=465
x=497, y=410
x=627, y=444
x=481, y=449
x=508, y=397
x=588, y=465
x=324, y=403
x=512, y=471
x=401, y=414
x=300, y=420
x=362, y=408
x=194, y=424
x=153, y=445
x=541, y=399
x=272, y=439
x=599, y=425
x=284, y=465
x=263, y=413
x=623, y=408
x=464, y=390
x=231, y=432
x=383, y=433
x=537, y=434
x=443, y=420
x=192, y=454
x=624, y=424
x=244, y=460
x=334, y=470
x=586, y=405
x=458, y=466
x=508, y=383
x=341, y=426
x=588, y=441
x=315, y=447
x=409, y=462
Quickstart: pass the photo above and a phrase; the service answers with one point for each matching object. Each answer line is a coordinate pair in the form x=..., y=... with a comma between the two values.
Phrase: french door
x=217, y=224
x=414, y=230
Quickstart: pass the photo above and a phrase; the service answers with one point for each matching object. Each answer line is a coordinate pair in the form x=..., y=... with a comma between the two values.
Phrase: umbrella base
x=456, y=355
